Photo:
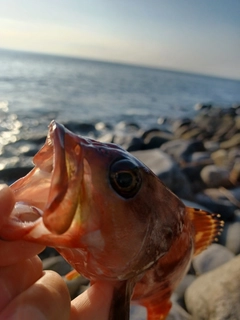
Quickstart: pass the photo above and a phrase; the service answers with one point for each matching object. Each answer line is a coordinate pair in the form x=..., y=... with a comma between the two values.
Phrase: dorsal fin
x=207, y=227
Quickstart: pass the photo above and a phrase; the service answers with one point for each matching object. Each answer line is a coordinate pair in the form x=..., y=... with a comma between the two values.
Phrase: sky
x=200, y=36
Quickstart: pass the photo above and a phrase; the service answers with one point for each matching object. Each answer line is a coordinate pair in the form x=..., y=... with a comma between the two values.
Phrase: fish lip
x=58, y=176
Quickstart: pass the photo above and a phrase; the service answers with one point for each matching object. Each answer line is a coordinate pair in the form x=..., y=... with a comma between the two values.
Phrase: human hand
x=28, y=292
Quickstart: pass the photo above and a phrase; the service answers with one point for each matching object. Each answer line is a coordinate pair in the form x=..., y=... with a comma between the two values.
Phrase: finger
x=17, y=278
x=48, y=298
x=12, y=252
x=94, y=303
x=7, y=202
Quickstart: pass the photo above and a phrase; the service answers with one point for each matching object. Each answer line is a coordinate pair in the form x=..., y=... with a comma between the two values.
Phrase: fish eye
x=125, y=178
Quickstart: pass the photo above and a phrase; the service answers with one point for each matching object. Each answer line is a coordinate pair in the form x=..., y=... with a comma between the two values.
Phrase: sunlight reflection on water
x=9, y=126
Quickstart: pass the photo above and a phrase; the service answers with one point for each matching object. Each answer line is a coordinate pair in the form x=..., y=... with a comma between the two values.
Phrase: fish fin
x=207, y=227
x=72, y=275
x=158, y=311
x=120, y=307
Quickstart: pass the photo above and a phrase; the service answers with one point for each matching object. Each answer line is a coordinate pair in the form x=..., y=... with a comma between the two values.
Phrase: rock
x=128, y=127
x=214, y=176
x=202, y=106
x=201, y=157
x=232, y=142
x=215, y=295
x=181, y=150
x=128, y=142
x=57, y=264
x=9, y=175
x=138, y=312
x=211, y=146
x=181, y=288
x=220, y=157
x=80, y=128
x=211, y=258
x=155, y=138
x=76, y=286
x=176, y=313
x=193, y=133
x=216, y=201
x=235, y=173
x=230, y=237
x=167, y=170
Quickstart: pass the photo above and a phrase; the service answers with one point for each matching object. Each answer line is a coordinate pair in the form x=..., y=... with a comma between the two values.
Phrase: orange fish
x=111, y=218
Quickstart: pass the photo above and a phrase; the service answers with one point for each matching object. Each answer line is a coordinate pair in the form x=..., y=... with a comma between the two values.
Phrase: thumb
x=7, y=202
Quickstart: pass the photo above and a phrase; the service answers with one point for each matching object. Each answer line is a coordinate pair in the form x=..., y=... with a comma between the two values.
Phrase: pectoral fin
x=207, y=227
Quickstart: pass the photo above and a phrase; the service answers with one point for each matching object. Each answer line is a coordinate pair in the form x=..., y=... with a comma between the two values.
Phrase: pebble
x=214, y=176
x=214, y=256
x=215, y=295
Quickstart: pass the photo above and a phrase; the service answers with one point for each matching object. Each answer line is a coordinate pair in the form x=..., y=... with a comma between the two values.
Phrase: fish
x=111, y=218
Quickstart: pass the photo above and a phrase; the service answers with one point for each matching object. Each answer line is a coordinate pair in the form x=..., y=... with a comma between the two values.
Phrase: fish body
x=111, y=218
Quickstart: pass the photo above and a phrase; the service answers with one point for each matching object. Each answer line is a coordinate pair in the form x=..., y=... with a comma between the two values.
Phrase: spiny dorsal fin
x=207, y=227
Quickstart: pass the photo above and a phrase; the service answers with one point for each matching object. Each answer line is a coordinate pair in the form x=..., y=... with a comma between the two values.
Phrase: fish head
x=103, y=209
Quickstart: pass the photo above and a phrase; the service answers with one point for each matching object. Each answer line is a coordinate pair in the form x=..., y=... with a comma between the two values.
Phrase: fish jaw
x=52, y=190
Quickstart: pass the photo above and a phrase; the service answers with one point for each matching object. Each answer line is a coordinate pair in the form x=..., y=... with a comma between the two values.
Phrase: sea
x=36, y=88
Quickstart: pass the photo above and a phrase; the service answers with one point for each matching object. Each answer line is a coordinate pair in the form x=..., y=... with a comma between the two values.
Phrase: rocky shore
x=199, y=160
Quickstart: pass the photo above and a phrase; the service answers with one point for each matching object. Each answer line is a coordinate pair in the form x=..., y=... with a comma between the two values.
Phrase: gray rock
x=231, y=237
x=214, y=176
x=179, y=292
x=57, y=264
x=216, y=201
x=76, y=286
x=211, y=258
x=181, y=150
x=215, y=295
x=167, y=170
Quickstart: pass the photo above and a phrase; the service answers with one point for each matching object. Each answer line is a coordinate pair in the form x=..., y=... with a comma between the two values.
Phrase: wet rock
x=167, y=170
x=214, y=176
x=215, y=295
x=211, y=258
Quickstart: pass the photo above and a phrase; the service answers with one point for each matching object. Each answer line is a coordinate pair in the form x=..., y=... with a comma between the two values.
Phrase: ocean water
x=35, y=88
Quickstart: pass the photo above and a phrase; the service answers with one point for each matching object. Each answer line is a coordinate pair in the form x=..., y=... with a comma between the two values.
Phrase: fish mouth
x=47, y=198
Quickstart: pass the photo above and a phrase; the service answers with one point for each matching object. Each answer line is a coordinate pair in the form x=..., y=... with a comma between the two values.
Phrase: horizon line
x=124, y=63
